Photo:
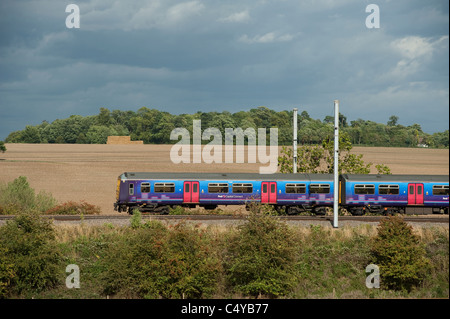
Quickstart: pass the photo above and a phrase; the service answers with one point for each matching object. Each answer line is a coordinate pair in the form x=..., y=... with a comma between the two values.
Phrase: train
x=288, y=193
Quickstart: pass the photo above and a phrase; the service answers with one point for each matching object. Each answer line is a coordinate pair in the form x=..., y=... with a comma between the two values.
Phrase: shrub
x=136, y=219
x=17, y=196
x=399, y=254
x=6, y=272
x=74, y=208
x=152, y=261
x=30, y=250
x=260, y=257
x=188, y=267
x=178, y=210
x=331, y=262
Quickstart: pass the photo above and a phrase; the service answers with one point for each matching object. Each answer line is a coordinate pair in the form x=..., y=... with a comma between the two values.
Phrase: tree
x=399, y=254
x=81, y=139
x=304, y=116
x=440, y=139
x=14, y=137
x=154, y=126
x=98, y=134
x=260, y=257
x=393, y=120
x=104, y=117
x=31, y=135
x=320, y=159
x=2, y=147
x=163, y=128
x=342, y=120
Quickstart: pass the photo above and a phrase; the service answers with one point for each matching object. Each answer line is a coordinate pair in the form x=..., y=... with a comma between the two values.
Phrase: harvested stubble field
x=74, y=172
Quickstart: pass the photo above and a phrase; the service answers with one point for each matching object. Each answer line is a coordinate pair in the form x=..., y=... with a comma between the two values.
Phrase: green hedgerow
x=399, y=254
x=153, y=261
x=260, y=258
x=30, y=253
x=6, y=272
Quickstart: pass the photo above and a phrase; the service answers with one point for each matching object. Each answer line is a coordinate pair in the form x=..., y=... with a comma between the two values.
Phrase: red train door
x=191, y=192
x=415, y=194
x=268, y=192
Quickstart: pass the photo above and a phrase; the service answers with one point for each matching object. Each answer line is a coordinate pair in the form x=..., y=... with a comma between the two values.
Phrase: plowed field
x=89, y=172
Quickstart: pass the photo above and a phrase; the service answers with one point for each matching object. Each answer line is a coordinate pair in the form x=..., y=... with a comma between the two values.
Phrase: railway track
x=422, y=219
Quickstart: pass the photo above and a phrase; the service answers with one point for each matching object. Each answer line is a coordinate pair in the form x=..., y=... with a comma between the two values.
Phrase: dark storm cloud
x=185, y=56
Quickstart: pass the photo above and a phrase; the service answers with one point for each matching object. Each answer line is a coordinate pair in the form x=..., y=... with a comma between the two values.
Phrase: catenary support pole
x=295, y=141
x=336, y=164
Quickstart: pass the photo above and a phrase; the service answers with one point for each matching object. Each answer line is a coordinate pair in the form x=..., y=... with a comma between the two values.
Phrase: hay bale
x=122, y=140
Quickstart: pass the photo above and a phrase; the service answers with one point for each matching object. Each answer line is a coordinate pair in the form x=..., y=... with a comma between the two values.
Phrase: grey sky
x=211, y=55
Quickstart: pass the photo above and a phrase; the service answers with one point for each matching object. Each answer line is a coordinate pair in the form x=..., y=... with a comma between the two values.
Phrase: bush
x=74, y=208
x=331, y=262
x=399, y=255
x=152, y=262
x=260, y=257
x=18, y=196
x=136, y=219
x=30, y=255
x=6, y=272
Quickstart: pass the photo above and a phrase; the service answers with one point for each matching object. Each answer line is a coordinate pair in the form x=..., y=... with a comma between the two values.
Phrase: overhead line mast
x=336, y=164
x=295, y=142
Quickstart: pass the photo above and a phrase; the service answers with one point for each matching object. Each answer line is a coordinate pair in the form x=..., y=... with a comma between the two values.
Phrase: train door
x=415, y=194
x=268, y=193
x=191, y=192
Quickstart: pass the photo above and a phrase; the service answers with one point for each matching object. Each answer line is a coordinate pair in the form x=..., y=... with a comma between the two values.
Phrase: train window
x=131, y=189
x=388, y=189
x=165, y=187
x=272, y=188
x=319, y=189
x=264, y=188
x=242, y=188
x=365, y=189
x=295, y=188
x=440, y=190
x=217, y=188
x=145, y=187
x=194, y=187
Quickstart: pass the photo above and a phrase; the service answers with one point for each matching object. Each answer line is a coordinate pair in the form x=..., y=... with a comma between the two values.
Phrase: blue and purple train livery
x=292, y=193
x=411, y=194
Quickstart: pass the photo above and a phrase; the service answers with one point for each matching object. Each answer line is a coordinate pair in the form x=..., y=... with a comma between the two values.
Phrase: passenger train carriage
x=410, y=194
x=292, y=193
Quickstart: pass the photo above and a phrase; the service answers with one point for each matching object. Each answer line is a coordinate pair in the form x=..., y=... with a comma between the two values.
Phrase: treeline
x=154, y=127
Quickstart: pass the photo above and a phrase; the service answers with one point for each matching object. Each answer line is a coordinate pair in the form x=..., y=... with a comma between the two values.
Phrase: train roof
x=225, y=176
x=395, y=178
x=280, y=176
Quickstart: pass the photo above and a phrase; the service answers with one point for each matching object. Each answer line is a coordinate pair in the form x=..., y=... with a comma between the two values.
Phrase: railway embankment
x=262, y=256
